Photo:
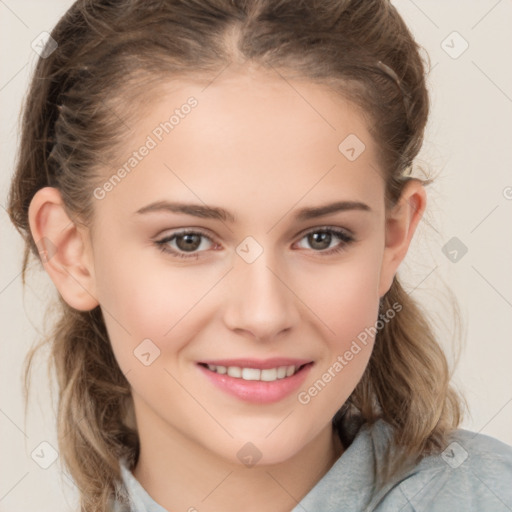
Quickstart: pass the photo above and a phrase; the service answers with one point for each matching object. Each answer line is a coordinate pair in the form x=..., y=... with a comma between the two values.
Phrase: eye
x=186, y=242
x=320, y=239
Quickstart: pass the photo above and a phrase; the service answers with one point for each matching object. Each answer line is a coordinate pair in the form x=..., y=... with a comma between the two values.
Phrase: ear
x=401, y=223
x=63, y=248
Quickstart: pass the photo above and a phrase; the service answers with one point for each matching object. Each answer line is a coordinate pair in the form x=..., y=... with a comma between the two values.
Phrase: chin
x=260, y=451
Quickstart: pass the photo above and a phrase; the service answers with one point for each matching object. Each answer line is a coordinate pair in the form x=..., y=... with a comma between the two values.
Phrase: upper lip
x=261, y=364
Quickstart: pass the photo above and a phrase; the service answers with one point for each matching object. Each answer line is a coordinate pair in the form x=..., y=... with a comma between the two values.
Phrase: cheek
x=347, y=301
x=345, y=296
x=144, y=300
x=148, y=298
x=348, y=351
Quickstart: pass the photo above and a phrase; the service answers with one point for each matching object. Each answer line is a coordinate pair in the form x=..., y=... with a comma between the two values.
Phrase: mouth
x=257, y=382
x=260, y=374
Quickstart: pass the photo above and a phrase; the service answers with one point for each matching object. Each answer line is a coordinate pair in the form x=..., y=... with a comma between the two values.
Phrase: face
x=272, y=283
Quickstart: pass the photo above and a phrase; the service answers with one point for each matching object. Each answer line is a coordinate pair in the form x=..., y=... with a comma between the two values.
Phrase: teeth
x=234, y=371
x=251, y=374
x=266, y=375
x=269, y=374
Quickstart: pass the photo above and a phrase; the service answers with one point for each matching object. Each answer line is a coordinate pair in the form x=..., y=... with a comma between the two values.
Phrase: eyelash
x=342, y=235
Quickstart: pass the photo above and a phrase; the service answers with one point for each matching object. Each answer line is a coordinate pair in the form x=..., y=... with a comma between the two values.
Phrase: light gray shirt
x=474, y=473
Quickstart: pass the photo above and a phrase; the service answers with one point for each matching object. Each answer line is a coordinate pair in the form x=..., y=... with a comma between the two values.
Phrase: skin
x=255, y=147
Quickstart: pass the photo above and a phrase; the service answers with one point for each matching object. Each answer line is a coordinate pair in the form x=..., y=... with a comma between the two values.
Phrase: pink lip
x=261, y=364
x=255, y=391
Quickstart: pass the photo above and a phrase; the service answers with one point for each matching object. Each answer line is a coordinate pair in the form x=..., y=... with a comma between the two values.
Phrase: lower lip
x=256, y=391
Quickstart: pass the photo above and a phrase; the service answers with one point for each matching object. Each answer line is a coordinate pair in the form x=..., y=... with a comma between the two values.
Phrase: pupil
x=190, y=243
x=323, y=238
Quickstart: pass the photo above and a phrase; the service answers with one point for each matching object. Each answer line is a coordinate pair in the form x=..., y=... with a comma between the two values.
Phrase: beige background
x=467, y=142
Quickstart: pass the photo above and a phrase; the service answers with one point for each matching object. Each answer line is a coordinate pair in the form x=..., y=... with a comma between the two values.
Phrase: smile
x=266, y=375
x=259, y=382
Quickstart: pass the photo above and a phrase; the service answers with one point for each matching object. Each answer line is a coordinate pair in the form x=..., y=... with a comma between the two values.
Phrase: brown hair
x=111, y=55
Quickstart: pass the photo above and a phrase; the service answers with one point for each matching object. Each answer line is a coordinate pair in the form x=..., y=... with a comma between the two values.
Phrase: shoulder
x=473, y=473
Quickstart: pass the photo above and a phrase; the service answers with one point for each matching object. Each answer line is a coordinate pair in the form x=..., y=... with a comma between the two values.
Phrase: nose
x=262, y=303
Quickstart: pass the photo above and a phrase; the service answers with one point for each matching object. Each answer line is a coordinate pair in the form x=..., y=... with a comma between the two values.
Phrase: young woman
x=221, y=192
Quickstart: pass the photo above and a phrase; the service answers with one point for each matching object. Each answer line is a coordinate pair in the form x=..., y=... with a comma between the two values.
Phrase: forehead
x=253, y=134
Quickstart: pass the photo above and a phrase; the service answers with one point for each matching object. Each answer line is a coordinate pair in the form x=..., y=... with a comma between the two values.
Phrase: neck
x=179, y=474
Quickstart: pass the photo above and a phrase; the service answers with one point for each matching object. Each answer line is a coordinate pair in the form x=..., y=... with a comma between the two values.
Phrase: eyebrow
x=217, y=213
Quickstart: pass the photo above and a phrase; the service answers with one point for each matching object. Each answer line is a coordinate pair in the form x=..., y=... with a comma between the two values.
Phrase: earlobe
x=401, y=223
x=63, y=248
